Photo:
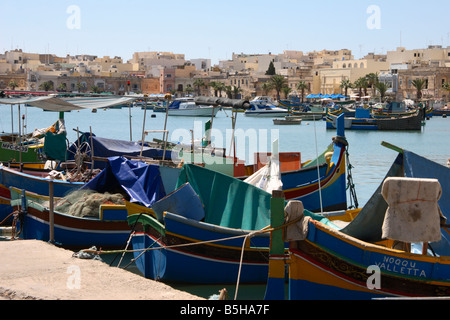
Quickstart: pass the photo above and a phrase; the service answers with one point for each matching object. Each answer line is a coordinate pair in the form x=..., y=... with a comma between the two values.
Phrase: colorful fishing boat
x=371, y=258
x=33, y=181
x=364, y=121
x=94, y=215
x=226, y=231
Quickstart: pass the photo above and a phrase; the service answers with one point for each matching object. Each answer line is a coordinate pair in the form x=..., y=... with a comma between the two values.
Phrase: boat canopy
x=228, y=202
x=53, y=103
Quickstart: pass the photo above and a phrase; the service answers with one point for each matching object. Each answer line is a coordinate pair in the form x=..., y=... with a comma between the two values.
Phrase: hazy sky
x=215, y=29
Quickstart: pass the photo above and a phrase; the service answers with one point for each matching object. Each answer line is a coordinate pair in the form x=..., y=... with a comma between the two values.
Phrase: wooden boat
x=443, y=112
x=363, y=121
x=108, y=230
x=288, y=121
x=222, y=242
x=104, y=198
x=359, y=261
x=307, y=115
x=33, y=181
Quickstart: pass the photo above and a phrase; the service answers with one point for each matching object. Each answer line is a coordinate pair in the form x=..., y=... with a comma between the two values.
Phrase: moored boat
x=188, y=107
x=261, y=109
x=372, y=257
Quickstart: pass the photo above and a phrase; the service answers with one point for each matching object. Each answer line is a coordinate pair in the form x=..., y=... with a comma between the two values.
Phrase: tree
x=62, y=87
x=199, y=83
x=419, y=84
x=213, y=84
x=361, y=84
x=271, y=70
x=345, y=84
x=266, y=87
x=382, y=88
x=95, y=89
x=302, y=86
x=236, y=91
x=372, y=80
x=188, y=89
x=277, y=82
x=286, y=90
x=13, y=85
x=46, y=86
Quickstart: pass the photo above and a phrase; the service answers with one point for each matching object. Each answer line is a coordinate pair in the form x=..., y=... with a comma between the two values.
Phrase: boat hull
x=209, y=262
x=31, y=181
x=330, y=265
x=195, y=112
x=110, y=230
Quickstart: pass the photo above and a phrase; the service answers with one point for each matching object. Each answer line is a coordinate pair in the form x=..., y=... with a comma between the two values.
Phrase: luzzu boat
x=371, y=258
x=94, y=215
x=226, y=231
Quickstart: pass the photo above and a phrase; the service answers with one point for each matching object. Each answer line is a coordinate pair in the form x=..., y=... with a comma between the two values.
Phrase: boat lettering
x=401, y=266
x=14, y=147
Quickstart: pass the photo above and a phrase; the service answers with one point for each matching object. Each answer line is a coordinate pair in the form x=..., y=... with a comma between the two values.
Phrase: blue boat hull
x=30, y=182
x=209, y=262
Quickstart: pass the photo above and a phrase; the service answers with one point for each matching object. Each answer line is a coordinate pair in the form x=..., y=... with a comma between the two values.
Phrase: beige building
x=435, y=56
x=328, y=80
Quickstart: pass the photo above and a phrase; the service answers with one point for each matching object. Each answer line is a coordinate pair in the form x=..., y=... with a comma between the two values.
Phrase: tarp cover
x=416, y=166
x=228, y=202
x=105, y=148
x=141, y=182
x=413, y=214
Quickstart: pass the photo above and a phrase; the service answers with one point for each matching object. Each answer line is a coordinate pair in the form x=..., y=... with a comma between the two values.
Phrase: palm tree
x=286, y=90
x=13, y=84
x=199, y=83
x=419, y=84
x=302, y=86
x=372, y=80
x=266, y=87
x=345, y=83
x=236, y=91
x=278, y=82
x=46, y=86
x=360, y=84
x=213, y=84
x=381, y=87
x=220, y=87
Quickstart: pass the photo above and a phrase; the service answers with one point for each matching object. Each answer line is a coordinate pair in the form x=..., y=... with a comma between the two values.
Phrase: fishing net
x=86, y=203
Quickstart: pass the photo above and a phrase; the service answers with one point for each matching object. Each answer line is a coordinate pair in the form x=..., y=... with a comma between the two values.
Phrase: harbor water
x=369, y=159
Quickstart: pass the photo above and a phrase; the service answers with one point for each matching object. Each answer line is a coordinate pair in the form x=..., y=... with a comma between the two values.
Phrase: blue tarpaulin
x=142, y=182
x=105, y=148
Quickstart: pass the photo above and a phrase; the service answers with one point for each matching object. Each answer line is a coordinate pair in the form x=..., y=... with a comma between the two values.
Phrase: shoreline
x=37, y=270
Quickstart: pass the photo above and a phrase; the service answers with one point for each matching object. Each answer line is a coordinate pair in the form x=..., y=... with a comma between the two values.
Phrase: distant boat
x=188, y=108
x=261, y=109
x=288, y=120
x=363, y=121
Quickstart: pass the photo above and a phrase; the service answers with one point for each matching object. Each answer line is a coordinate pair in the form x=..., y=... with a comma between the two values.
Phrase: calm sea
x=370, y=160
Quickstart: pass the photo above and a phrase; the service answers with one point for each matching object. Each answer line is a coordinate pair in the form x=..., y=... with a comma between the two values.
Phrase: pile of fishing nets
x=86, y=203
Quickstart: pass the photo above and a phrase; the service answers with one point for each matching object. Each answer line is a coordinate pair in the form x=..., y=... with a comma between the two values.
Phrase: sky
x=215, y=30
